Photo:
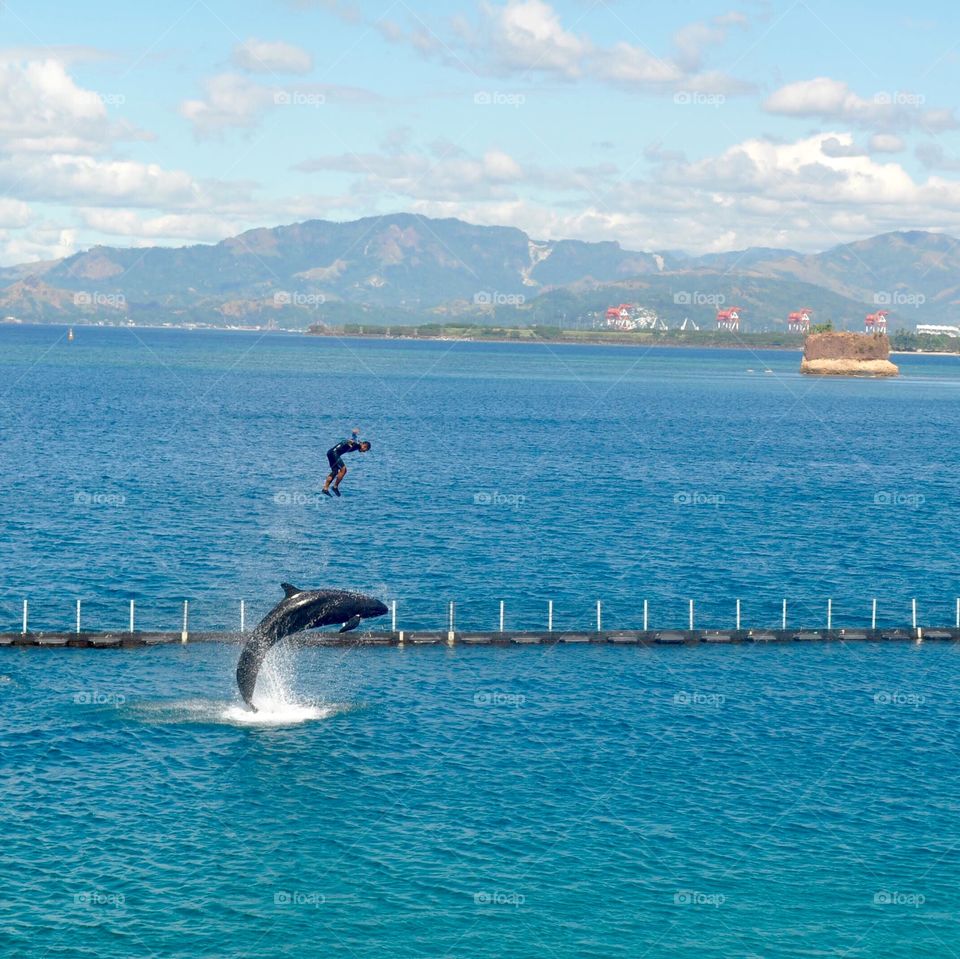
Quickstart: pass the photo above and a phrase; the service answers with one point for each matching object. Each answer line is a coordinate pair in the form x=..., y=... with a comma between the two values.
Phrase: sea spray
x=275, y=700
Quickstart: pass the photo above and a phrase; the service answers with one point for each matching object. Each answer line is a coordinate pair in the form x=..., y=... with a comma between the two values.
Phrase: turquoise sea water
x=797, y=801
x=163, y=465
x=790, y=801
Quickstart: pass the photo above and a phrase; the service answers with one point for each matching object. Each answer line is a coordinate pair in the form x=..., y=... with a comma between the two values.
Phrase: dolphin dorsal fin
x=289, y=590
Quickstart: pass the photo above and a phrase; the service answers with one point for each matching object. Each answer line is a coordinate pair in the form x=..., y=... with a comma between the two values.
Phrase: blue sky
x=697, y=126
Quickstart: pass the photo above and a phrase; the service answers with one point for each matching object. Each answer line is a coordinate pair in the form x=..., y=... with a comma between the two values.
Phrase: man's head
x=365, y=446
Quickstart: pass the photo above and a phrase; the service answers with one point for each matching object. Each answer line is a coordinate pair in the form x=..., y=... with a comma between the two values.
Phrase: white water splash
x=277, y=714
x=226, y=712
x=277, y=704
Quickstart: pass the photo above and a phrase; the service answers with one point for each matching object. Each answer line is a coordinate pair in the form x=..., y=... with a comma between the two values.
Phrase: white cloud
x=230, y=101
x=53, y=137
x=833, y=101
x=37, y=244
x=934, y=157
x=56, y=149
x=42, y=108
x=832, y=146
x=500, y=167
x=265, y=56
x=799, y=170
x=794, y=194
x=808, y=195
x=57, y=143
x=14, y=213
x=835, y=147
x=414, y=175
x=693, y=40
x=526, y=35
x=166, y=228
x=819, y=97
x=886, y=143
x=634, y=66
x=78, y=179
x=424, y=42
x=524, y=39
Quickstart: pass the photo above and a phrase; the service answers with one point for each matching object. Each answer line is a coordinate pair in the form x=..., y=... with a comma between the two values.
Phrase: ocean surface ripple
x=585, y=801
x=788, y=801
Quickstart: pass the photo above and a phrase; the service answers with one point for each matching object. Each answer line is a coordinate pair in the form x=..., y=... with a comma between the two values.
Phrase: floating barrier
x=403, y=638
x=79, y=638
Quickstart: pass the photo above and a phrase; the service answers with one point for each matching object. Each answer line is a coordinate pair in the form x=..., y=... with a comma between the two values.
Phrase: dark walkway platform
x=620, y=637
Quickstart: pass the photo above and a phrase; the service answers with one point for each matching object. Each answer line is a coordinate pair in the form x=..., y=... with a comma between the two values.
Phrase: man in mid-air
x=335, y=458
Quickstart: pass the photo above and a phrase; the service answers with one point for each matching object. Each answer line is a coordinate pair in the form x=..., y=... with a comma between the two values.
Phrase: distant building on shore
x=729, y=319
x=629, y=316
x=799, y=321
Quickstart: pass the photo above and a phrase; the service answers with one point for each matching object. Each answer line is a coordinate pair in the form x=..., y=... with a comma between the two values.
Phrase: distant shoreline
x=703, y=340
x=576, y=338
x=709, y=342
x=581, y=340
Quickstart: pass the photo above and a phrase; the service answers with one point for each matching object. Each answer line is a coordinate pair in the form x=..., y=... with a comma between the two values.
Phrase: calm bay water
x=520, y=473
x=797, y=801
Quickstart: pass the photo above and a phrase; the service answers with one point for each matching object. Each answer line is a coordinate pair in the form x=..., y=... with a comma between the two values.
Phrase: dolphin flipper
x=300, y=609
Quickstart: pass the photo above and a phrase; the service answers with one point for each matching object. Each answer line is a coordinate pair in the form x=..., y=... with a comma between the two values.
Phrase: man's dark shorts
x=336, y=463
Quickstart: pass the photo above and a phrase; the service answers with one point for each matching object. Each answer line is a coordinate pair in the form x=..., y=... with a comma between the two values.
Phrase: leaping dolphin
x=300, y=609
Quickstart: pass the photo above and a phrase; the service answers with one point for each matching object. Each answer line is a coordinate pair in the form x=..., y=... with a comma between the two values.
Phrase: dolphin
x=300, y=609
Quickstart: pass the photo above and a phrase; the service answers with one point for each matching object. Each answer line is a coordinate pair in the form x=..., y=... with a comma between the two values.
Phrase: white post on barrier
x=916, y=629
x=829, y=615
x=243, y=616
x=393, y=616
x=132, y=602
x=599, y=617
x=784, y=620
x=873, y=614
x=738, y=615
x=25, y=608
x=78, y=617
x=550, y=616
x=958, y=612
x=501, y=615
x=451, y=624
x=691, y=615
x=646, y=611
x=186, y=621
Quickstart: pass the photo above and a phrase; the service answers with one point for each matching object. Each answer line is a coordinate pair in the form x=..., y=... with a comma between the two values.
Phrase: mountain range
x=405, y=268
